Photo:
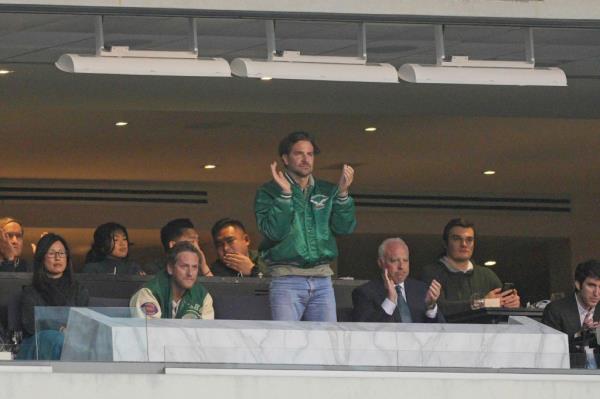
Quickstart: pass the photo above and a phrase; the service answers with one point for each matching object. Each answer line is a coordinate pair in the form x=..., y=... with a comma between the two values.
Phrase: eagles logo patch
x=193, y=312
x=149, y=308
x=319, y=200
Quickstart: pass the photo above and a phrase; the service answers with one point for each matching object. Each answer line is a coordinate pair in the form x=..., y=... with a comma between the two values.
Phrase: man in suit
x=395, y=298
x=577, y=315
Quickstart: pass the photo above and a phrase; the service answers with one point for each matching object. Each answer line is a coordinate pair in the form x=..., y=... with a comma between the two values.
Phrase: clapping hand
x=390, y=287
x=433, y=293
x=345, y=180
x=280, y=179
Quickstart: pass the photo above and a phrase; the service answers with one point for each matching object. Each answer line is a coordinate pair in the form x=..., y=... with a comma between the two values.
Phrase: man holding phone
x=460, y=278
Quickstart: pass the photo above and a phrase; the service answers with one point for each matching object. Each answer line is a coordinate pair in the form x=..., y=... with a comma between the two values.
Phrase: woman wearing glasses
x=53, y=285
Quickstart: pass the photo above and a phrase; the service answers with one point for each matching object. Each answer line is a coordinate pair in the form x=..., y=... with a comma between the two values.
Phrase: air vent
x=460, y=202
x=91, y=194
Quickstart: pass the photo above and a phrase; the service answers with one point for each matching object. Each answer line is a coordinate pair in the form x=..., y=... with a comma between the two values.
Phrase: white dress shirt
x=389, y=307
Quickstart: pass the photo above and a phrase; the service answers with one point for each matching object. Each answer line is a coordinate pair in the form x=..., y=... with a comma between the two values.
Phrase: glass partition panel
x=86, y=334
x=115, y=335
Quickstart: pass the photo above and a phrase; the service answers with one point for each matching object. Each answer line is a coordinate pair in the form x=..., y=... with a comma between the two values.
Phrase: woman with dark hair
x=109, y=251
x=53, y=285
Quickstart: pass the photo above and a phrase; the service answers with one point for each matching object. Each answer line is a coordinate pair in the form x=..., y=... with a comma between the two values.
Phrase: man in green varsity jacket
x=299, y=218
x=173, y=293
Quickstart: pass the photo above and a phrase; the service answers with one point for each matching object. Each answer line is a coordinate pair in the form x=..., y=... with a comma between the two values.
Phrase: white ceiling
x=61, y=126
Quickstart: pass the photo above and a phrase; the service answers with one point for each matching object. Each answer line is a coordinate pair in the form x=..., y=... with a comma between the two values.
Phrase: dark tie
x=403, y=307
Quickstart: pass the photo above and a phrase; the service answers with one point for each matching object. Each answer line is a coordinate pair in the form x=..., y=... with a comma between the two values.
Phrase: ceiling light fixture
x=489, y=172
x=490, y=263
x=370, y=129
x=293, y=65
x=120, y=60
x=461, y=70
x=265, y=78
x=121, y=123
x=210, y=166
x=5, y=71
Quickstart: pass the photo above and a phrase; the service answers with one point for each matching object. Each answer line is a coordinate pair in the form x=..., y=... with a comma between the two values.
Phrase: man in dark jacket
x=235, y=258
x=11, y=246
x=299, y=218
x=395, y=297
x=460, y=278
x=178, y=230
x=578, y=315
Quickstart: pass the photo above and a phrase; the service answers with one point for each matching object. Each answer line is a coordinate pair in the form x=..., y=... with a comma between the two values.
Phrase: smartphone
x=508, y=287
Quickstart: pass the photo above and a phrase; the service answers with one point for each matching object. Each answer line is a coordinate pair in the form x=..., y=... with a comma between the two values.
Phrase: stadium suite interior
x=429, y=152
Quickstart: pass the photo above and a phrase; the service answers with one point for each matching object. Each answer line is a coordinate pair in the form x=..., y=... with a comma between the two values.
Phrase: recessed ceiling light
x=489, y=172
x=490, y=263
x=5, y=71
x=121, y=123
x=266, y=78
x=209, y=166
x=370, y=129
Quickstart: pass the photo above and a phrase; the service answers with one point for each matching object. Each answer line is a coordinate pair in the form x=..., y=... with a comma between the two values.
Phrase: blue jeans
x=296, y=298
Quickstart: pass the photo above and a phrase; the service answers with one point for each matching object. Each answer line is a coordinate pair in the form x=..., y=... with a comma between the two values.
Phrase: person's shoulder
x=92, y=267
x=30, y=294
x=561, y=303
x=268, y=192
x=555, y=310
x=371, y=285
x=433, y=268
x=270, y=187
x=131, y=267
x=160, y=278
x=24, y=266
x=254, y=255
x=485, y=271
x=144, y=291
x=28, y=289
x=198, y=293
x=218, y=269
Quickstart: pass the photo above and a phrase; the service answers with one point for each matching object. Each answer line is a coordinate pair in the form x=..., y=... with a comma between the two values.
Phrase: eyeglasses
x=52, y=254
